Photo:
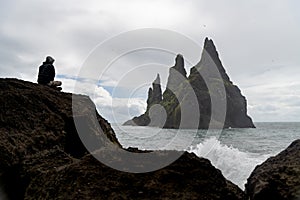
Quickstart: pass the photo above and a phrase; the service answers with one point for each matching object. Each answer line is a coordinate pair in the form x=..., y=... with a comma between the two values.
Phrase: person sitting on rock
x=47, y=74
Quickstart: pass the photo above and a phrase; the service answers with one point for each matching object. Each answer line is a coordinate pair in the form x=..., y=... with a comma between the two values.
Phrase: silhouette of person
x=47, y=74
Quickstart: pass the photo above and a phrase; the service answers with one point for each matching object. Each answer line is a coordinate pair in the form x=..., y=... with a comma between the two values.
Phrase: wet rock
x=278, y=177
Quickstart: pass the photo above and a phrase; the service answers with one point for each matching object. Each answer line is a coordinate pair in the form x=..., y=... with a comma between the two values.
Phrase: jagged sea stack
x=154, y=97
x=220, y=89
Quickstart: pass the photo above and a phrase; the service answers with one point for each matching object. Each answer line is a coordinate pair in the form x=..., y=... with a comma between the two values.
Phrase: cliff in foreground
x=42, y=156
x=278, y=177
x=196, y=101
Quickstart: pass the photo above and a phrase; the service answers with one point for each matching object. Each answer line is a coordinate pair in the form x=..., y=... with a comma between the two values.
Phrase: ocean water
x=235, y=152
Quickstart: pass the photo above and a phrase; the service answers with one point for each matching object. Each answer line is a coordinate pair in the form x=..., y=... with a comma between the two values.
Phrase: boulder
x=278, y=177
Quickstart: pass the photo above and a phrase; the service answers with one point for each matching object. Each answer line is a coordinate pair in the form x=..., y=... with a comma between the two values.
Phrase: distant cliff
x=180, y=90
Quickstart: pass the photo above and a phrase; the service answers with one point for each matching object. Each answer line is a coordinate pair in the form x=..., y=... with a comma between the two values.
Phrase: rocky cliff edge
x=42, y=156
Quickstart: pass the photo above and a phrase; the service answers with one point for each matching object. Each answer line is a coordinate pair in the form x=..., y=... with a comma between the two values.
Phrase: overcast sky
x=258, y=42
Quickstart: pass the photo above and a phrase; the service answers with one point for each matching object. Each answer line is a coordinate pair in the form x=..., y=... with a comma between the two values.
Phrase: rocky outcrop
x=154, y=97
x=187, y=178
x=155, y=94
x=278, y=177
x=208, y=85
x=204, y=91
x=42, y=156
x=177, y=74
x=37, y=121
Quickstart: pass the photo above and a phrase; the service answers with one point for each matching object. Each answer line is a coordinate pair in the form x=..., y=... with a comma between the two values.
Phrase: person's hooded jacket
x=46, y=71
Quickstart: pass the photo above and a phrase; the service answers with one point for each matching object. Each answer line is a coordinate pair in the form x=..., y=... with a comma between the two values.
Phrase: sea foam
x=235, y=165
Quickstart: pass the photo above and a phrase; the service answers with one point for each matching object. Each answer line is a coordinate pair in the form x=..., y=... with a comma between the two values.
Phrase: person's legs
x=54, y=83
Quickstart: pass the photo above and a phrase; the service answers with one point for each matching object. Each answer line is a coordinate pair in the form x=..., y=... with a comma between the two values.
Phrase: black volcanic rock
x=203, y=74
x=155, y=94
x=154, y=97
x=37, y=121
x=42, y=156
x=171, y=96
x=278, y=177
x=207, y=97
x=179, y=65
x=177, y=74
x=187, y=178
x=211, y=50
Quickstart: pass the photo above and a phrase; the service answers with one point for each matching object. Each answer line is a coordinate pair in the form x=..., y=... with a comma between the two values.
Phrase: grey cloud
x=291, y=101
x=11, y=63
x=120, y=113
x=258, y=41
x=270, y=109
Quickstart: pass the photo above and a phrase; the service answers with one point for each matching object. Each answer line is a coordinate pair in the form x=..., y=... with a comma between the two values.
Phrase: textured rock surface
x=181, y=89
x=236, y=105
x=187, y=178
x=35, y=121
x=278, y=177
x=42, y=156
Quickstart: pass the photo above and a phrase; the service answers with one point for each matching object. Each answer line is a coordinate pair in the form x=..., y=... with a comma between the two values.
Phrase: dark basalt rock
x=236, y=105
x=278, y=177
x=187, y=178
x=154, y=97
x=177, y=74
x=42, y=157
x=155, y=94
x=181, y=89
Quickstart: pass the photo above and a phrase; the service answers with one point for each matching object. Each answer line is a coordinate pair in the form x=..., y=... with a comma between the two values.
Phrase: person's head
x=50, y=60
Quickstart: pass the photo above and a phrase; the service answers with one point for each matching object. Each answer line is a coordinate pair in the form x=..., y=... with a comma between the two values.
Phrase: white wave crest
x=235, y=165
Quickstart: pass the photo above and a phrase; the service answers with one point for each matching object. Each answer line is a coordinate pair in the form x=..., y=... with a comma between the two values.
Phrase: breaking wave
x=235, y=165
